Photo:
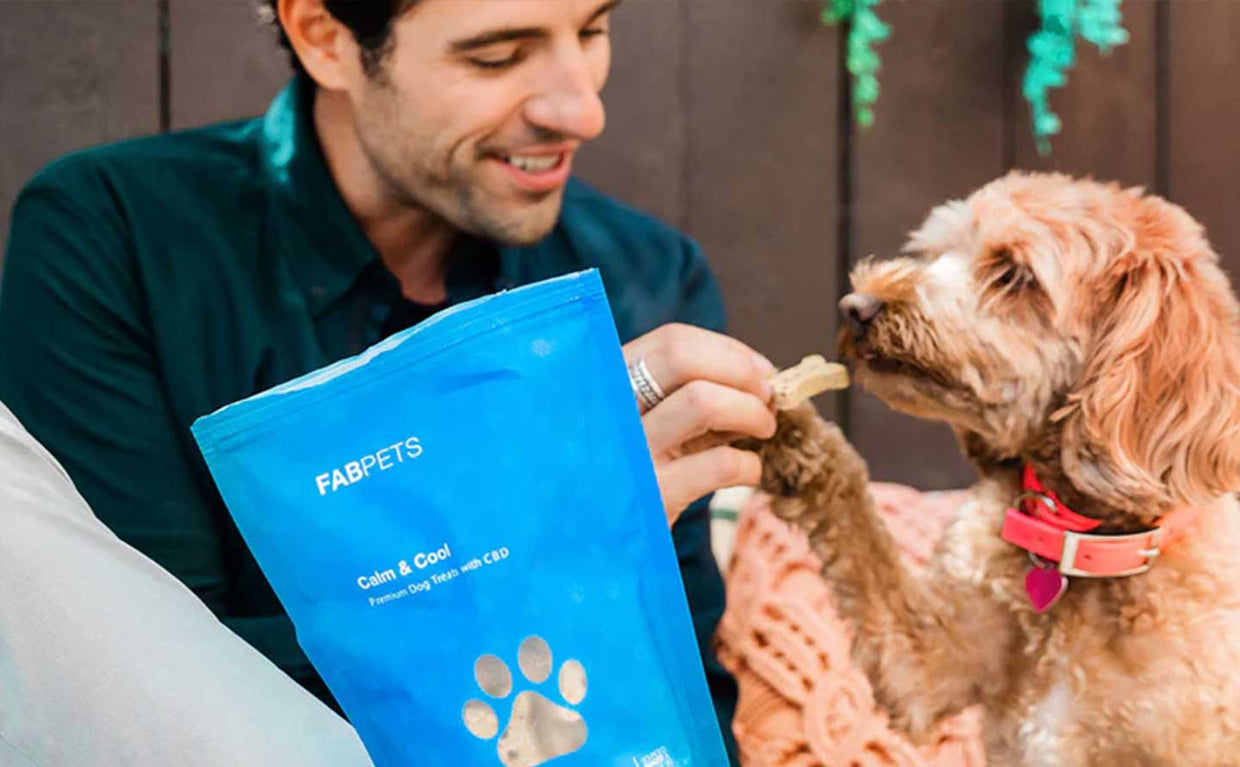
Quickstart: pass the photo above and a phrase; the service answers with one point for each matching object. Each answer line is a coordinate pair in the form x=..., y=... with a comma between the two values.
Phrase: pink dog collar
x=1045, y=527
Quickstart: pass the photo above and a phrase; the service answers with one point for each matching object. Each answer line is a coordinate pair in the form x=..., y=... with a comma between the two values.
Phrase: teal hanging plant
x=865, y=30
x=1052, y=52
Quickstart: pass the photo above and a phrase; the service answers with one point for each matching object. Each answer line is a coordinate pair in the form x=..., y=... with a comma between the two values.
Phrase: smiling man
x=420, y=157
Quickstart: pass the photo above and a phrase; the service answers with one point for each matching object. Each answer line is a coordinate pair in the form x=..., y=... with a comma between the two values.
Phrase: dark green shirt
x=150, y=282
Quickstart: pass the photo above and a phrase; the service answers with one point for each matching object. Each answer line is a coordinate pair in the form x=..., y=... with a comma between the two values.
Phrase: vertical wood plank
x=223, y=64
x=73, y=73
x=939, y=134
x=1203, y=138
x=762, y=162
x=639, y=158
x=1108, y=107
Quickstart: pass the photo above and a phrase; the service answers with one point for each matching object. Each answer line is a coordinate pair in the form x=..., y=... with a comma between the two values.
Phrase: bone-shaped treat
x=812, y=376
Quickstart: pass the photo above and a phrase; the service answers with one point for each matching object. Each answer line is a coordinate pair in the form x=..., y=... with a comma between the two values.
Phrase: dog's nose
x=860, y=309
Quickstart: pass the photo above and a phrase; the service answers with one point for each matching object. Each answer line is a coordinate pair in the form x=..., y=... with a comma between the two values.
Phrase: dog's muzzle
x=859, y=311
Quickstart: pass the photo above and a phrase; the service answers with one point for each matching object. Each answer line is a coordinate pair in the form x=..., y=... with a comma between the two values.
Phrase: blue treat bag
x=464, y=524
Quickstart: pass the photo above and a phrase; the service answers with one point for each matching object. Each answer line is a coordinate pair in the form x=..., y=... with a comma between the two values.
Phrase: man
x=421, y=157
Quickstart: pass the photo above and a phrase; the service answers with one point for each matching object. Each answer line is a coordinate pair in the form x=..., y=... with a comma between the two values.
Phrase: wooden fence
x=729, y=119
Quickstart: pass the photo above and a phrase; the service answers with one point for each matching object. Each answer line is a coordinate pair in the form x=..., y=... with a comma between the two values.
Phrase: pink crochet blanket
x=802, y=702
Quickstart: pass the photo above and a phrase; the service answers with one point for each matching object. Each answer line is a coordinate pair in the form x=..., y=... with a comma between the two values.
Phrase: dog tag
x=1045, y=585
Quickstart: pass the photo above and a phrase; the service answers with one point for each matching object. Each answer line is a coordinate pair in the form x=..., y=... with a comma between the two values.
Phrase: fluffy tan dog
x=1086, y=332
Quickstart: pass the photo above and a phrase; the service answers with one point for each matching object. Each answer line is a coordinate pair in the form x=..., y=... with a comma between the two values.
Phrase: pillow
x=106, y=659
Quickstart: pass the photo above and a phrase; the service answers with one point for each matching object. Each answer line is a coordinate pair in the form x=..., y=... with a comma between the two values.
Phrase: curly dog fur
x=1086, y=330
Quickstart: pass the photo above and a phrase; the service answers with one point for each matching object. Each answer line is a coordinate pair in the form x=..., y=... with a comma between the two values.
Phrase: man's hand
x=712, y=384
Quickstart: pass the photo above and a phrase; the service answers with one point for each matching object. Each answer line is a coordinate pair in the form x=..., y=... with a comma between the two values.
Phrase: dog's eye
x=1012, y=278
x=1006, y=277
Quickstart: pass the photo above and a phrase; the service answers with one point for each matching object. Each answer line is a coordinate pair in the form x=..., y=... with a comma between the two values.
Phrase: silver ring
x=648, y=391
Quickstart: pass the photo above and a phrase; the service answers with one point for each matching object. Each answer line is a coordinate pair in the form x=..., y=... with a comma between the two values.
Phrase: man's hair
x=370, y=21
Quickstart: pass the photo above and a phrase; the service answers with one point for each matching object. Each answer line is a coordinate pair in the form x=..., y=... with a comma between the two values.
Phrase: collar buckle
x=1072, y=542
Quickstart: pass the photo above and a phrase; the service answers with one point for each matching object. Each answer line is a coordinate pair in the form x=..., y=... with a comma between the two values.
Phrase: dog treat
x=539, y=731
x=812, y=376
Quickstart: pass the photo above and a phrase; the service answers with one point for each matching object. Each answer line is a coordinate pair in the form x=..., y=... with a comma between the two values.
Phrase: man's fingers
x=686, y=479
x=711, y=386
x=677, y=354
x=700, y=407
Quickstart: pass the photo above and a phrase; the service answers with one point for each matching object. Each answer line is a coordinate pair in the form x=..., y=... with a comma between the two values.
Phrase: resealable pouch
x=464, y=524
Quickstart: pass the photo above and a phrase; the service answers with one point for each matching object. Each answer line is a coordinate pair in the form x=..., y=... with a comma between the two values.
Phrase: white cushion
x=106, y=659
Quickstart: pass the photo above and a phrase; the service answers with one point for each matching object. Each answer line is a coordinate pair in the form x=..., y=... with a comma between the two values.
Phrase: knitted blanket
x=802, y=701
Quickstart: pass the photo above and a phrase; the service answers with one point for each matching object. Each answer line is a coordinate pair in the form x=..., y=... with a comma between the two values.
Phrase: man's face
x=479, y=106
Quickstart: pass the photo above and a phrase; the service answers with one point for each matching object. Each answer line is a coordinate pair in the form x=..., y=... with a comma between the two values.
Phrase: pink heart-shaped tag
x=1045, y=585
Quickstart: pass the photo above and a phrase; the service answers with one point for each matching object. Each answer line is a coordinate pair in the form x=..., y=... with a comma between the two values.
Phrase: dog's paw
x=539, y=729
x=808, y=456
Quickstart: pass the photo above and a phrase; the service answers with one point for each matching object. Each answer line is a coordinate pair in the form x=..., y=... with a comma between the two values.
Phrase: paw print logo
x=539, y=729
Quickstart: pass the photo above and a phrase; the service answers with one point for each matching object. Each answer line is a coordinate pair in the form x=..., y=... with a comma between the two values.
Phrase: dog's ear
x=1155, y=419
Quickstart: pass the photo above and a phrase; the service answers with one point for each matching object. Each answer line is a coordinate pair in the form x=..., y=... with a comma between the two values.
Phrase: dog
x=1084, y=344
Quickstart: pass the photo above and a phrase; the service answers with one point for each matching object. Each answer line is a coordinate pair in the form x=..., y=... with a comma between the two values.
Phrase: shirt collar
x=324, y=246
